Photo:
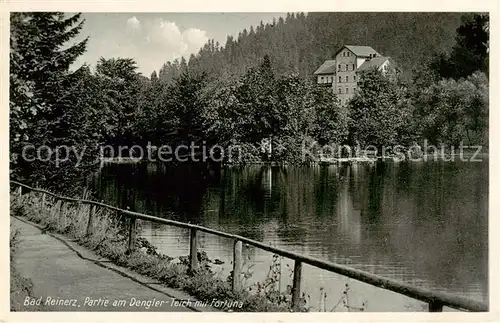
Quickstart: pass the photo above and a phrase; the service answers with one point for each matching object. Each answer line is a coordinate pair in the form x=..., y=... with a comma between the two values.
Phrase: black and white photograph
x=226, y=162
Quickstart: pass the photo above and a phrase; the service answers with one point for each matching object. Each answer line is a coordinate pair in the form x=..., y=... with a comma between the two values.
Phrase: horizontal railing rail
x=436, y=300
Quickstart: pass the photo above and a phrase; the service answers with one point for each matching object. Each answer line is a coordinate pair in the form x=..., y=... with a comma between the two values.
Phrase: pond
x=423, y=223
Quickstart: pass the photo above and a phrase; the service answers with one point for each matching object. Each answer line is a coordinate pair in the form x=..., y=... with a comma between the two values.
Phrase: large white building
x=344, y=70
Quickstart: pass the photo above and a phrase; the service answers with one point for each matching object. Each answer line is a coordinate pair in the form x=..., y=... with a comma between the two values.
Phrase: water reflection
x=422, y=223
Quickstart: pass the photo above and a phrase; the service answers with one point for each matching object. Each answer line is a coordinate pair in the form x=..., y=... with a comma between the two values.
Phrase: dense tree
x=188, y=103
x=38, y=65
x=470, y=52
x=450, y=96
x=451, y=111
x=44, y=93
x=122, y=84
x=380, y=112
x=270, y=116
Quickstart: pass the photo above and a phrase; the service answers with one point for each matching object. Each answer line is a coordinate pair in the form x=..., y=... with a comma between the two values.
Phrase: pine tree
x=470, y=52
x=154, y=77
x=120, y=81
x=42, y=87
x=38, y=53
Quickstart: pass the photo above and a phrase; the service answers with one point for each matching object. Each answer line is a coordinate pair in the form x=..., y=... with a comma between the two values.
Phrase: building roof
x=361, y=51
x=375, y=62
x=328, y=67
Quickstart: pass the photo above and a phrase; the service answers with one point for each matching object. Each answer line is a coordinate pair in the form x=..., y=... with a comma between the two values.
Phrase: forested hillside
x=300, y=42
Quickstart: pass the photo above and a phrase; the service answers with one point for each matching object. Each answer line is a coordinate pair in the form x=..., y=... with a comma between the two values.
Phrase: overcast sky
x=152, y=39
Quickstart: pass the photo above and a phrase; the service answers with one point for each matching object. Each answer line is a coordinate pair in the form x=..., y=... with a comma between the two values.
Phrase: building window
x=340, y=79
x=343, y=54
x=354, y=78
x=353, y=67
x=346, y=90
x=353, y=90
x=348, y=53
x=339, y=67
x=347, y=78
x=340, y=91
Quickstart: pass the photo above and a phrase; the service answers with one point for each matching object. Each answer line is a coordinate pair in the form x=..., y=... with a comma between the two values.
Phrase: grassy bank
x=108, y=238
x=20, y=287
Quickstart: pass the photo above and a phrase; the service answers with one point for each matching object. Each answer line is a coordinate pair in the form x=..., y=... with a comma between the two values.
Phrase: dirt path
x=68, y=277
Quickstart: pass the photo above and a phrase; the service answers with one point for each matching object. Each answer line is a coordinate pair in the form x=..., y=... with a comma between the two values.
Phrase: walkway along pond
x=435, y=300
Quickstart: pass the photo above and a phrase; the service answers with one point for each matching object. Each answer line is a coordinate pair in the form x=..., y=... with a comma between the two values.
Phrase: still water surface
x=421, y=223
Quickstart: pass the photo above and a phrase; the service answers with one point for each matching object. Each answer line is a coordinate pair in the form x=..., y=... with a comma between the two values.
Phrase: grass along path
x=108, y=240
x=67, y=277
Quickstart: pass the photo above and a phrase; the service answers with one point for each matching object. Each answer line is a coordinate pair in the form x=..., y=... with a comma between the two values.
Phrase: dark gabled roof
x=328, y=67
x=375, y=62
x=361, y=51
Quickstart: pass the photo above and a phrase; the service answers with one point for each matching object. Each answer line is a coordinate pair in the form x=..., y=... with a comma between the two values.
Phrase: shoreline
x=465, y=157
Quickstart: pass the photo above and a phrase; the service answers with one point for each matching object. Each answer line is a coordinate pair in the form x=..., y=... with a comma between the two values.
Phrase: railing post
x=435, y=306
x=237, y=265
x=131, y=234
x=91, y=219
x=193, y=252
x=297, y=275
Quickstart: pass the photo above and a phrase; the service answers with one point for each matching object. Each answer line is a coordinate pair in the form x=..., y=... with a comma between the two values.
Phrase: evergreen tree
x=470, y=52
x=42, y=91
x=121, y=84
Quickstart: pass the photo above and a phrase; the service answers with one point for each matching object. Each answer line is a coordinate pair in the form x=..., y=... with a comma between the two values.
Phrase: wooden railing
x=435, y=300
